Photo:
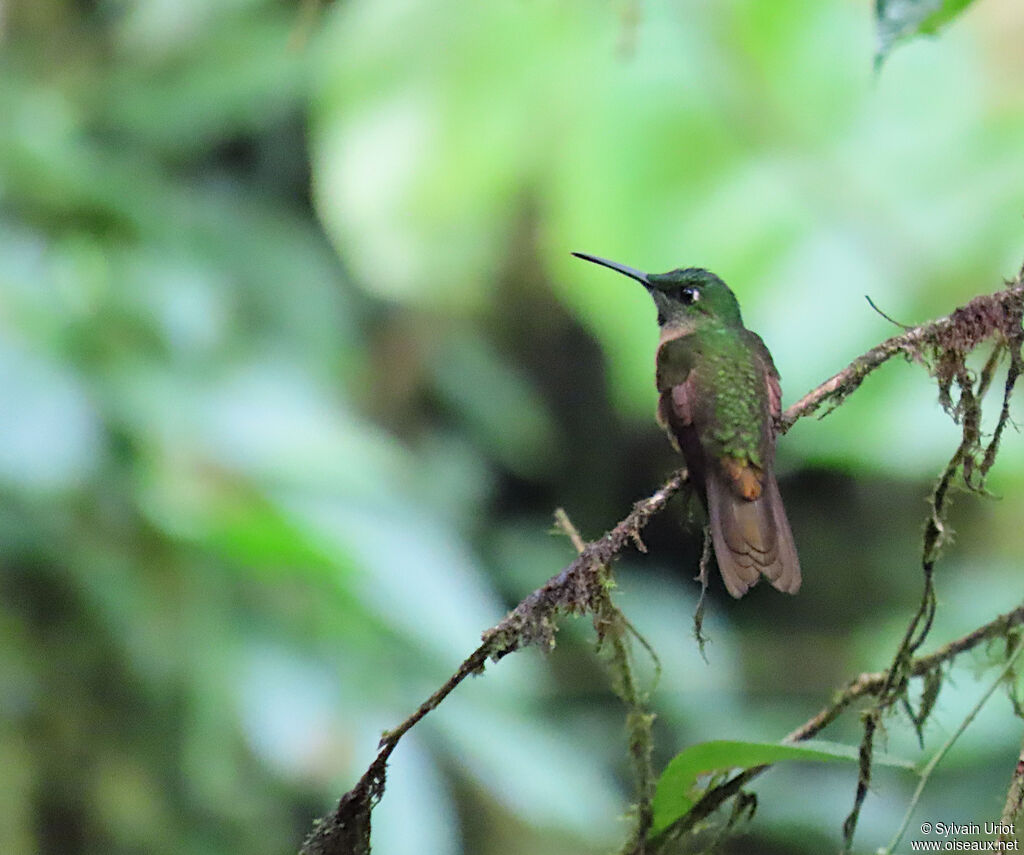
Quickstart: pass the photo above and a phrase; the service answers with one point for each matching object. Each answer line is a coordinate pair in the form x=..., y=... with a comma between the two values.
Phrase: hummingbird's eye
x=689, y=295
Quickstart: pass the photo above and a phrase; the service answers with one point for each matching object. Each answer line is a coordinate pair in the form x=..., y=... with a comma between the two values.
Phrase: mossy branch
x=612, y=626
x=1013, y=811
x=946, y=344
x=870, y=684
x=582, y=586
x=950, y=339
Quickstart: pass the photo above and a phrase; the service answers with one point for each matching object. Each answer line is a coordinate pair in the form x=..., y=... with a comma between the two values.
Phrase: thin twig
x=612, y=624
x=926, y=773
x=910, y=344
x=702, y=576
x=1013, y=811
x=889, y=318
x=864, y=685
x=968, y=409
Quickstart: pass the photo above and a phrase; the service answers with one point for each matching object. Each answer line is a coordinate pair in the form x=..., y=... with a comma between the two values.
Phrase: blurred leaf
x=503, y=411
x=415, y=573
x=899, y=20
x=238, y=76
x=17, y=820
x=50, y=429
x=675, y=793
x=552, y=780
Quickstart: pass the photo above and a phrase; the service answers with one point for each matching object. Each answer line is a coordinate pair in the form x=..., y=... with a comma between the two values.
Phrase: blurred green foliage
x=294, y=366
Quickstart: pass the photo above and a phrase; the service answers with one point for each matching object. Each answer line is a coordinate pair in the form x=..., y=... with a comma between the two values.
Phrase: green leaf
x=899, y=20
x=675, y=794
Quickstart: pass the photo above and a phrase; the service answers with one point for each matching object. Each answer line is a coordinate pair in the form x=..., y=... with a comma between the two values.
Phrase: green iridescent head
x=689, y=295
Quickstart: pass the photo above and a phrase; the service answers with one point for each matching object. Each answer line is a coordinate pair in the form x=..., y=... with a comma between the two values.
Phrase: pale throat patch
x=676, y=329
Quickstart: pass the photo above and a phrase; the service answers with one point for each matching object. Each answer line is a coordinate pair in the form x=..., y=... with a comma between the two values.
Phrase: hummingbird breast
x=713, y=384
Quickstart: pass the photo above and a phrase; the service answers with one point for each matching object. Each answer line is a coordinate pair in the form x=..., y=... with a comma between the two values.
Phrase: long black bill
x=631, y=272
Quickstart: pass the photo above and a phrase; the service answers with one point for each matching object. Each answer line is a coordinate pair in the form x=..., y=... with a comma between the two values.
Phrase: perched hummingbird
x=719, y=401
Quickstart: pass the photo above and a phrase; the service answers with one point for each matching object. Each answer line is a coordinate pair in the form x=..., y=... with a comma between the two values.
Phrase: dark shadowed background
x=295, y=366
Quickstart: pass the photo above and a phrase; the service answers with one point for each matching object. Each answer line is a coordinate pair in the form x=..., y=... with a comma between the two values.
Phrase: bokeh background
x=295, y=366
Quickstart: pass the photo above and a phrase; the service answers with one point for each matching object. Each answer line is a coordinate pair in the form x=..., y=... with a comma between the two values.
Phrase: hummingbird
x=719, y=401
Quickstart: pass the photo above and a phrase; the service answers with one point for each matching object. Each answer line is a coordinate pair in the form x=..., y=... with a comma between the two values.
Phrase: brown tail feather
x=751, y=537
